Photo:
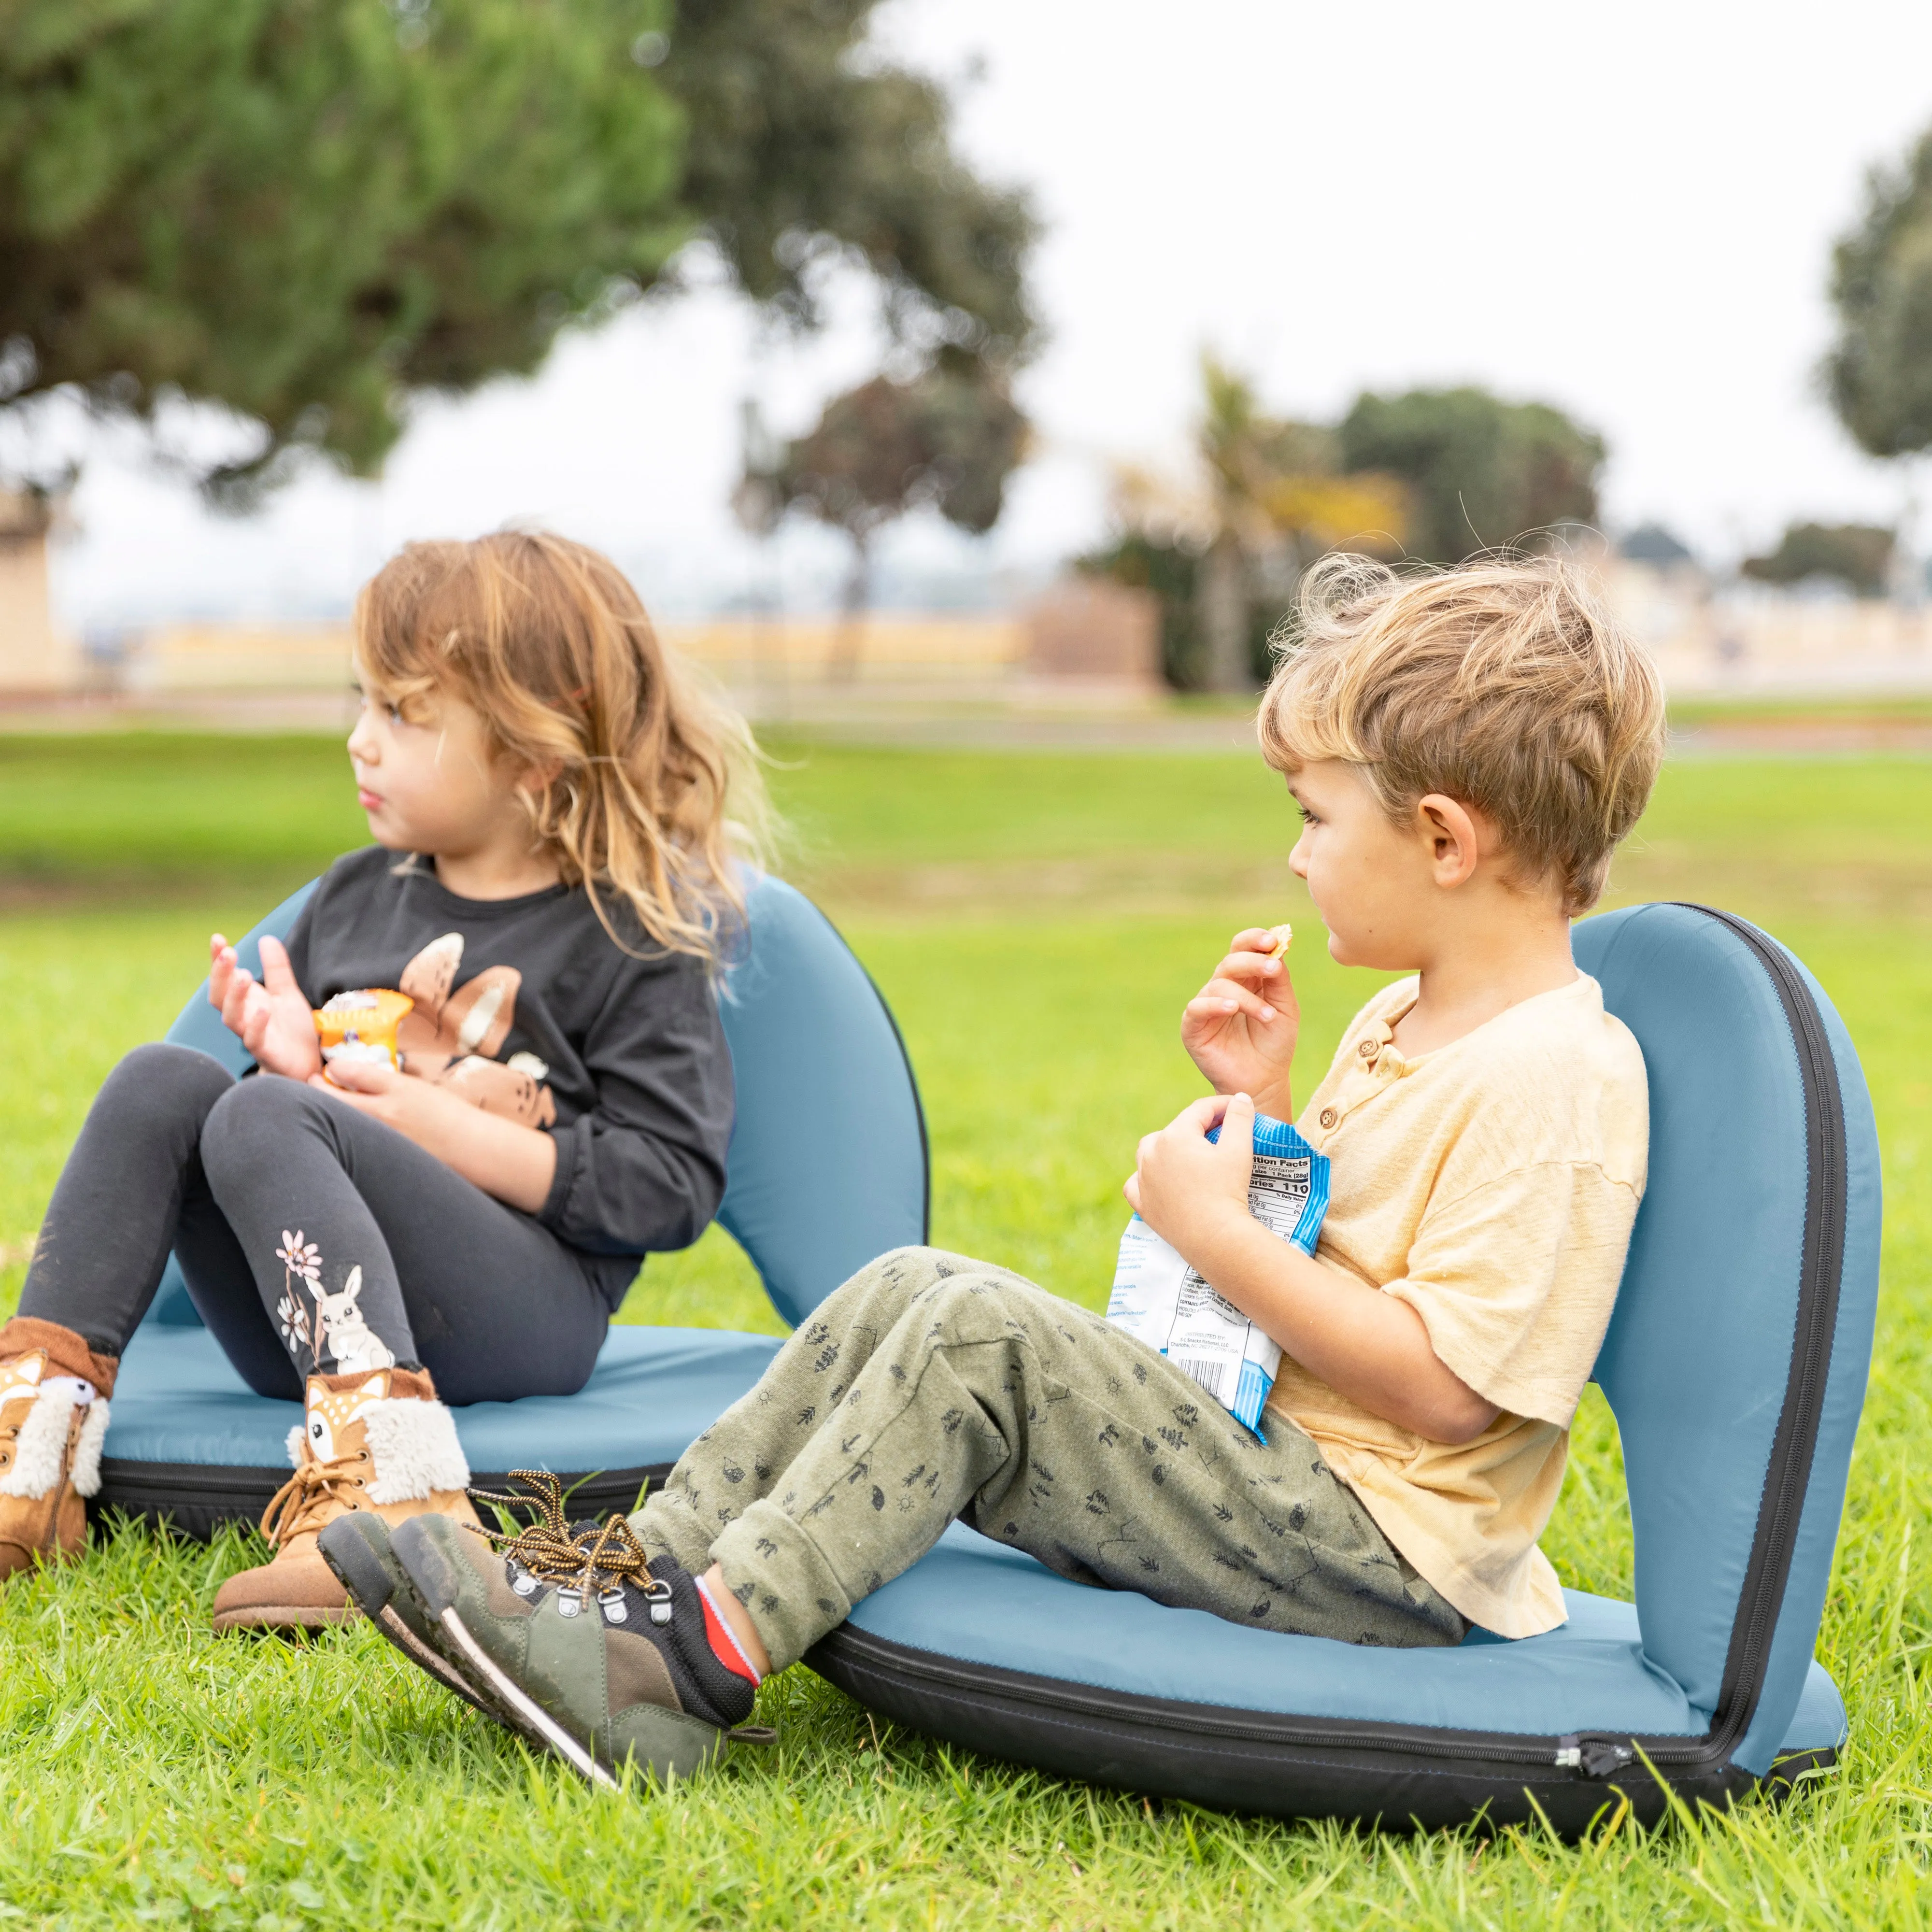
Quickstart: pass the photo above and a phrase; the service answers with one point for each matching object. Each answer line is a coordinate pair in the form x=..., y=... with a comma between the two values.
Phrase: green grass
x=1036, y=921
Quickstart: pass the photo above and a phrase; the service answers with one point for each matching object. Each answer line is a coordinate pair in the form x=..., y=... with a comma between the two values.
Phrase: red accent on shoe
x=724, y=1646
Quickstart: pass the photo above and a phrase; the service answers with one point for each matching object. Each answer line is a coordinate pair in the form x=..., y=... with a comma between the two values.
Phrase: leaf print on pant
x=931, y=1387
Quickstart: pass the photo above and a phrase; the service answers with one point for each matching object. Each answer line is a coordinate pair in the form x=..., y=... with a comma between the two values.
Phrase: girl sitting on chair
x=438, y=1184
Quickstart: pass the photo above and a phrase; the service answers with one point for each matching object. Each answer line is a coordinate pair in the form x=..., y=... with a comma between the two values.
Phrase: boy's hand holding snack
x=270, y=1016
x=1240, y=1029
x=1187, y=1188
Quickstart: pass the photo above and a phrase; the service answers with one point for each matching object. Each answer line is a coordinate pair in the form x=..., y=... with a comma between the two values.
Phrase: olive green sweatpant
x=931, y=1387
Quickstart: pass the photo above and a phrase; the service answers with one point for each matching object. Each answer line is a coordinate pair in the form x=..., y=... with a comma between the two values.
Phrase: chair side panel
x=828, y=1162
x=1803, y=1607
x=1699, y=1352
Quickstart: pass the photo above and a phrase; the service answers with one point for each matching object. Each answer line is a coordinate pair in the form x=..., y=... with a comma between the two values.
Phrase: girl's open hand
x=1240, y=1029
x=270, y=1016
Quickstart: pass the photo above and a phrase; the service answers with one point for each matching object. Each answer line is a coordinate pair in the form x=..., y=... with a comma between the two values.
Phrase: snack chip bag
x=1160, y=1300
x=362, y=1024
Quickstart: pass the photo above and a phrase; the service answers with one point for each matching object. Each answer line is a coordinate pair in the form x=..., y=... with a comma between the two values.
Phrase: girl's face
x=425, y=776
x=1370, y=879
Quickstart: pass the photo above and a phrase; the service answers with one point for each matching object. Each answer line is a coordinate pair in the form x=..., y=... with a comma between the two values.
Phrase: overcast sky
x=1626, y=211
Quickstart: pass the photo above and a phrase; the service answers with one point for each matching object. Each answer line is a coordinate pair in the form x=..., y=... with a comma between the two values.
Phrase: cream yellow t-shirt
x=1491, y=1184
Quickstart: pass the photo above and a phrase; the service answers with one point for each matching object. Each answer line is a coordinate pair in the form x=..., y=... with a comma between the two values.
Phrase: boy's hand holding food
x=1188, y=1188
x=1240, y=1028
x=270, y=1016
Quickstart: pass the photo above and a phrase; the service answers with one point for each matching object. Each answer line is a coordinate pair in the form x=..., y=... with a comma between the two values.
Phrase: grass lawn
x=1036, y=920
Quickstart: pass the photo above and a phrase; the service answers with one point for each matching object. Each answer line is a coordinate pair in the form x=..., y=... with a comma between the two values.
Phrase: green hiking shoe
x=588, y=1647
x=356, y=1547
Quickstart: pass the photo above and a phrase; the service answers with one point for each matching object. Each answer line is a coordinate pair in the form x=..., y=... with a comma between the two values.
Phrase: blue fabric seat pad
x=828, y=1167
x=189, y=1440
x=980, y=1644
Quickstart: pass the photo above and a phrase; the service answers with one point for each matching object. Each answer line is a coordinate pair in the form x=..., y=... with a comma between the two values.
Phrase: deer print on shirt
x=452, y=1038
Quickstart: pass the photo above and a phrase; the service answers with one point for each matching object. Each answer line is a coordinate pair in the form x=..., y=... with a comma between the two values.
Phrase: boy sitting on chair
x=1467, y=748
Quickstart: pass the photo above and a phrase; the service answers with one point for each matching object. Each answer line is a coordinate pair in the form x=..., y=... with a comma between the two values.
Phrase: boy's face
x=1375, y=884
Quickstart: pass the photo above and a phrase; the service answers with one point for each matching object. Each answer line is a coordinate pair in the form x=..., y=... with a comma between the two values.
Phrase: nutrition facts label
x=1279, y=1190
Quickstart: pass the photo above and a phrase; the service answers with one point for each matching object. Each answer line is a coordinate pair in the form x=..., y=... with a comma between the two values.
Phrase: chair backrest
x=828, y=1164
x=1736, y=1360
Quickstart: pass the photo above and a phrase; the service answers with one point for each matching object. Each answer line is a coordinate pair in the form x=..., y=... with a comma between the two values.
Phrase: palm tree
x=1269, y=495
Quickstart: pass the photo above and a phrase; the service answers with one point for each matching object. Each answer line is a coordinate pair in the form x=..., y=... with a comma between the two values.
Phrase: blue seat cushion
x=189, y=1441
x=1172, y=1701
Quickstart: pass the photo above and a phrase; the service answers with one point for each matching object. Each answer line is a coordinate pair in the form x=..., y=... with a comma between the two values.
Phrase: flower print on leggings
x=336, y=1330
x=301, y=1261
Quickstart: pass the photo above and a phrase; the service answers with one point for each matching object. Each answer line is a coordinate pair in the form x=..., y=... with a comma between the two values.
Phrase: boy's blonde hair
x=652, y=791
x=1506, y=685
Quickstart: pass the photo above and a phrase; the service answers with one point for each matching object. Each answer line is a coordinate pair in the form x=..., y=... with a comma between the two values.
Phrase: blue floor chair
x=1736, y=1364
x=828, y=1167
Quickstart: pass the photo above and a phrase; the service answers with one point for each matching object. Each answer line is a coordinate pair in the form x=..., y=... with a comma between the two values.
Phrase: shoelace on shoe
x=550, y=1551
x=305, y=1500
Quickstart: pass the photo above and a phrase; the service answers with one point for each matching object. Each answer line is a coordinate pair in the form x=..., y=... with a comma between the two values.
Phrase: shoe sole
x=523, y=1712
x=280, y=1616
x=371, y=1588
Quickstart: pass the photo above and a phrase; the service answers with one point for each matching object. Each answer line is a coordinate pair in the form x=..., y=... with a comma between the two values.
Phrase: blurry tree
x=1880, y=371
x=1857, y=555
x=1481, y=473
x=803, y=149
x=1268, y=498
x=948, y=438
x=1171, y=570
x=304, y=209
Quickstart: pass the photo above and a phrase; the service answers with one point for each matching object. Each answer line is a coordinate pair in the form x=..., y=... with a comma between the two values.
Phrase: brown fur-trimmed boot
x=379, y=1440
x=53, y=1418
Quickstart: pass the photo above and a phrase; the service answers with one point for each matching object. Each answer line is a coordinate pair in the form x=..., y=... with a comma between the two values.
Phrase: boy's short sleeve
x=1515, y=1281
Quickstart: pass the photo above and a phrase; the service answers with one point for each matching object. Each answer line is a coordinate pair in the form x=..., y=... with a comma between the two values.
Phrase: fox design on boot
x=52, y=1427
x=378, y=1442
x=330, y=1409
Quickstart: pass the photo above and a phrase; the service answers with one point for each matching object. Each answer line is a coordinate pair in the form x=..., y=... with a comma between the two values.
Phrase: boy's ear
x=1453, y=835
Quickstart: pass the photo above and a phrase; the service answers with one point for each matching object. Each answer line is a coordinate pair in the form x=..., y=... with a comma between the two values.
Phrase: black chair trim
x=195, y=1499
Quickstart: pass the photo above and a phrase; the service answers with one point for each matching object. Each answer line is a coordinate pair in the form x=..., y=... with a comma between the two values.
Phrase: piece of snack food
x=362, y=1024
x=1283, y=936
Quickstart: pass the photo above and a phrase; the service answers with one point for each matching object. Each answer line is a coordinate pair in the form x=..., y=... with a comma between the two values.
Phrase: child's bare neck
x=1477, y=972
x=495, y=873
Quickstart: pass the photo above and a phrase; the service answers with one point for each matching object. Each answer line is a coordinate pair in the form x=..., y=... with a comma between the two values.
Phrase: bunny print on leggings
x=343, y=1332
x=337, y=1328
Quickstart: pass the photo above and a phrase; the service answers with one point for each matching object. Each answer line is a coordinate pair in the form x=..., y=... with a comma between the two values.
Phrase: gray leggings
x=312, y=1237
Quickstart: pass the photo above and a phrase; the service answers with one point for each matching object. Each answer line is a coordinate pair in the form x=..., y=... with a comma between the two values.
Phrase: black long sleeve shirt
x=529, y=1008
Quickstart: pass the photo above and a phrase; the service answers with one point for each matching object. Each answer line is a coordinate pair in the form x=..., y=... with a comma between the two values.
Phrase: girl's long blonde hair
x=648, y=790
